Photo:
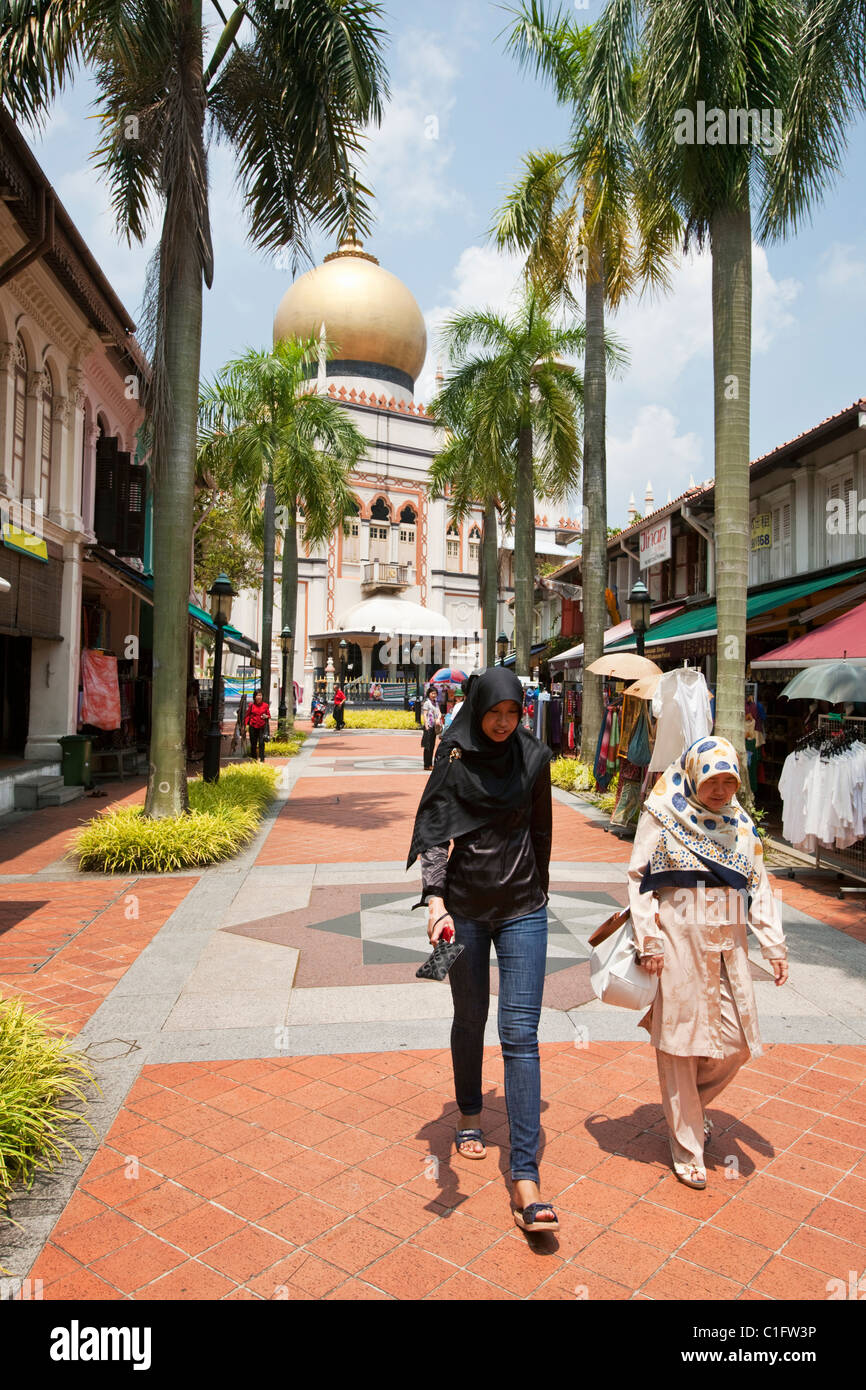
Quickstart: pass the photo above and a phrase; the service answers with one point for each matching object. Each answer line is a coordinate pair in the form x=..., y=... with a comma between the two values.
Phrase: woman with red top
x=339, y=702
x=258, y=723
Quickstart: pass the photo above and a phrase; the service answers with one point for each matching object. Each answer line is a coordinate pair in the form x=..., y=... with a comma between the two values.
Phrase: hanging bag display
x=639, y=749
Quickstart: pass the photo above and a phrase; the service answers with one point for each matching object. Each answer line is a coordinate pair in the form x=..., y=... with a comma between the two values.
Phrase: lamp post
x=221, y=595
x=639, y=613
x=285, y=640
x=502, y=647
x=343, y=650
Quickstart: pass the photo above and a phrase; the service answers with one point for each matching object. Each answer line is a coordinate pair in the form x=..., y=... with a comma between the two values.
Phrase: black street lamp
x=285, y=641
x=639, y=613
x=221, y=595
x=343, y=650
x=502, y=647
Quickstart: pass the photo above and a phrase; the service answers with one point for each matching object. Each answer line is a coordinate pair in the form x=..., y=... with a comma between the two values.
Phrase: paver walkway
x=277, y=1115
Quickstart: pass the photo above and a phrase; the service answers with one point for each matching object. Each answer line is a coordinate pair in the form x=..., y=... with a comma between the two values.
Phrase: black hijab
x=474, y=779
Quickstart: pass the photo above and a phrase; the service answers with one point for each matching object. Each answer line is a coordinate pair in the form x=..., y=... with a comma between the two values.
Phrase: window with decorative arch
x=452, y=547
x=475, y=548
x=47, y=439
x=380, y=530
x=407, y=533
x=352, y=536
x=19, y=435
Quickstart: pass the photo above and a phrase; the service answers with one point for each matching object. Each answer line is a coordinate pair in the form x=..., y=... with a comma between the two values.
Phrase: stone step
x=30, y=791
x=58, y=796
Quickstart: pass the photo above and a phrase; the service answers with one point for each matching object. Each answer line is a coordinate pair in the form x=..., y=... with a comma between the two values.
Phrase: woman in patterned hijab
x=696, y=881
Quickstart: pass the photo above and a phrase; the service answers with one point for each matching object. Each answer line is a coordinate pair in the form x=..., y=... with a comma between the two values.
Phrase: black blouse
x=500, y=871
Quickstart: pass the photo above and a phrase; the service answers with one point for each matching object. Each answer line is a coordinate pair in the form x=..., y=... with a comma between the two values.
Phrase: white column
x=7, y=416
x=54, y=668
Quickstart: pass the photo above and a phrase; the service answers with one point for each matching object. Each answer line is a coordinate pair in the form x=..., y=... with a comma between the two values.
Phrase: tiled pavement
x=319, y=1164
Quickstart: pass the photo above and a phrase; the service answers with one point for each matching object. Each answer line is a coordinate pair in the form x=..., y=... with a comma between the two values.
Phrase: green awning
x=703, y=622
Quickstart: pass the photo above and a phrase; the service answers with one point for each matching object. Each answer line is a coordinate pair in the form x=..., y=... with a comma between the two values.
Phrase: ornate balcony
x=385, y=574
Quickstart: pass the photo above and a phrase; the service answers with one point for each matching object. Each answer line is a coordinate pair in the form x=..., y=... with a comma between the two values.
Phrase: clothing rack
x=834, y=733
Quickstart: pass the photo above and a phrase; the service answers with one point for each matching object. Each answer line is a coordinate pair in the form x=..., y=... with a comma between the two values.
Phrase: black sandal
x=466, y=1136
x=527, y=1218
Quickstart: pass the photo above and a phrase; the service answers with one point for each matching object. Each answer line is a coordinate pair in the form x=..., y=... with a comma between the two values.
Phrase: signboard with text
x=762, y=531
x=655, y=543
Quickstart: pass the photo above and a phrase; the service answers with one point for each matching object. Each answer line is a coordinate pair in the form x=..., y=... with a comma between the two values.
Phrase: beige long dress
x=703, y=1022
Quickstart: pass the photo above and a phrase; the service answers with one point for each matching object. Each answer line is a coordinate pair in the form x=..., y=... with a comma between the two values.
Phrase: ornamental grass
x=572, y=775
x=223, y=817
x=40, y=1074
x=285, y=748
x=376, y=719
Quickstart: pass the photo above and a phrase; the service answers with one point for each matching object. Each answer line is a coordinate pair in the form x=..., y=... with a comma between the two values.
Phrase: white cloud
x=664, y=334
x=407, y=159
x=842, y=268
x=483, y=278
x=652, y=452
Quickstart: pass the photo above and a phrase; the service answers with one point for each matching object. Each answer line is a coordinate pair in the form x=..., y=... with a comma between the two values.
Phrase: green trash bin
x=75, y=752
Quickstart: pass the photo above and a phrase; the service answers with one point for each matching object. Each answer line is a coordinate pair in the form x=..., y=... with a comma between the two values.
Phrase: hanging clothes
x=823, y=790
x=100, y=705
x=681, y=707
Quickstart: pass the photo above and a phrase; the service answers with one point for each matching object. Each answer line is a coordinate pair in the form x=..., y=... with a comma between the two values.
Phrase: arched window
x=352, y=538
x=406, y=545
x=19, y=442
x=474, y=547
x=380, y=530
x=452, y=547
x=47, y=442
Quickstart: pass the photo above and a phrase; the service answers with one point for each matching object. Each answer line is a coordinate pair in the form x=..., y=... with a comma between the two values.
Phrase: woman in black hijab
x=489, y=793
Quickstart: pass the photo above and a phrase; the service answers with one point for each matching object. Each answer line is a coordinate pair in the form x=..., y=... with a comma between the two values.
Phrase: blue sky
x=435, y=202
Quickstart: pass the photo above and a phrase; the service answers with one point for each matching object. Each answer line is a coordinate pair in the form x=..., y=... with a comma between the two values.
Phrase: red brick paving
x=72, y=942
x=44, y=836
x=359, y=1209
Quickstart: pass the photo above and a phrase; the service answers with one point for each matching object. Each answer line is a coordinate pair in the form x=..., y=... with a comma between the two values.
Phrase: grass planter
x=223, y=817
x=40, y=1074
x=285, y=748
x=376, y=719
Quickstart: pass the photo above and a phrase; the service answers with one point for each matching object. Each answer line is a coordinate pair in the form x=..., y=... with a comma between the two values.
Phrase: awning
x=533, y=651
x=574, y=655
x=842, y=639
x=703, y=622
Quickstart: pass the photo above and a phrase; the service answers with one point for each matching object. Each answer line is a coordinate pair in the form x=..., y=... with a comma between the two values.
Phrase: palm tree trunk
x=268, y=589
x=594, y=543
x=488, y=583
x=731, y=242
x=524, y=551
x=289, y=600
x=172, y=531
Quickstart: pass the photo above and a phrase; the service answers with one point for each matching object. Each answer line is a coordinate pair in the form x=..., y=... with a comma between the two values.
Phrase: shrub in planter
x=223, y=817
x=375, y=719
x=40, y=1074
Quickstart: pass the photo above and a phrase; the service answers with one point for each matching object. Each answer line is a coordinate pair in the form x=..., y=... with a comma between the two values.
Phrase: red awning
x=842, y=639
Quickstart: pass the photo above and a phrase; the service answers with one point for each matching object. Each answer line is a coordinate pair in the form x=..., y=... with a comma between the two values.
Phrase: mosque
x=401, y=589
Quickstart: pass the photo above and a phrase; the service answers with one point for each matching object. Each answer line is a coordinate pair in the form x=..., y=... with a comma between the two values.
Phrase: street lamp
x=221, y=595
x=639, y=613
x=343, y=650
x=285, y=641
x=502, y=648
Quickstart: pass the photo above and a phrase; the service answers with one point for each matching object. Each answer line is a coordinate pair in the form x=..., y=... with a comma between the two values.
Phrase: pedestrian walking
x=489, y=794
x=431, y=726
x=454, y=710
x=339, y=703
x=696, y=879
x=258, y=718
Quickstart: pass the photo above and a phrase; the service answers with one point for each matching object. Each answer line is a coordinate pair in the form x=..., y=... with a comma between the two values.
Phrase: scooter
x=317, y=714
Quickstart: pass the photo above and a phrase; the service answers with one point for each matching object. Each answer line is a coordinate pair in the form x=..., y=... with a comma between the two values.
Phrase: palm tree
x=274, y=440
x=526, y=403
x=472, y=474
x=290, y=92
x=578, y=213
x=803, y=61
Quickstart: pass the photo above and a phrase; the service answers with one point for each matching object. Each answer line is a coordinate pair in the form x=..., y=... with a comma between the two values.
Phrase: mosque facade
x=401, y=586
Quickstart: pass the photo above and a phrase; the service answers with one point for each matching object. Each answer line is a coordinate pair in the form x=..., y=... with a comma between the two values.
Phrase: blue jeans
x=521, y=952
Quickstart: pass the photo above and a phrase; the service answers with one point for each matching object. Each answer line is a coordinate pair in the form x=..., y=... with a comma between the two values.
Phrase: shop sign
x=762, y=531
x=655, y=543
x=24, y=541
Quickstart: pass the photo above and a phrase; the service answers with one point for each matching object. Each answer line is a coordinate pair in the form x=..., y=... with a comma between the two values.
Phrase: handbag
x=639, y=750
x=615, y=973
x=436, y=967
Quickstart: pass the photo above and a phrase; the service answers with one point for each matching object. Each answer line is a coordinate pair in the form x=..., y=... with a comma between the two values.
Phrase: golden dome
x=369, y=315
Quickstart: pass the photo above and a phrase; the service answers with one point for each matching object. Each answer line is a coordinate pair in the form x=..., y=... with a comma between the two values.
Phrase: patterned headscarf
x=697, y=844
